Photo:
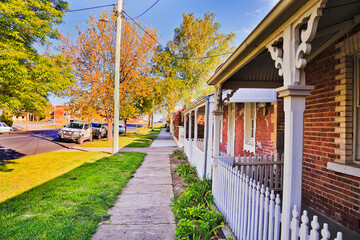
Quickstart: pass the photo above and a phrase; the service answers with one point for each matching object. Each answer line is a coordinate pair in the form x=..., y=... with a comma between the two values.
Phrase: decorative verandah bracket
x=290, y=59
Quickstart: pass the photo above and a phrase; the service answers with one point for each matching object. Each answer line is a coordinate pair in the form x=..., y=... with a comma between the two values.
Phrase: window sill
x=352, y=169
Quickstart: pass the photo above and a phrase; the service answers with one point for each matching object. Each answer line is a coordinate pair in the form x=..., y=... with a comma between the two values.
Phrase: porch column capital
x=295, y=90
x=217, y=113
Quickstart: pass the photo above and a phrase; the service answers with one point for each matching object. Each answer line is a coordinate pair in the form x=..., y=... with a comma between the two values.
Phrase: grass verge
x=20, y=175
x=141, y=137
x=70, y=206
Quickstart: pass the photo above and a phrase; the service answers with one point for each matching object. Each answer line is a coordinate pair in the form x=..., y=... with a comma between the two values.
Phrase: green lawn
x=20, y=175
x=141, y=137
x=71, y=205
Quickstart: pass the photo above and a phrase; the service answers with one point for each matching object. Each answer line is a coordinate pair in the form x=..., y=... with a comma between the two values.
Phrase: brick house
x=252, y=128
x=59, y=113
x=237, y=117
x=309, y=50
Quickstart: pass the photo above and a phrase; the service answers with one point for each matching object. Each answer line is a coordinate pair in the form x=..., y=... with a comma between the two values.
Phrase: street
x=13, y=146
x=23, y=144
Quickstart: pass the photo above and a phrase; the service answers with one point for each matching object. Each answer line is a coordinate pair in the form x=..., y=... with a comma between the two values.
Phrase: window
x=357, y=108
x=250, y=127
x=352, y=167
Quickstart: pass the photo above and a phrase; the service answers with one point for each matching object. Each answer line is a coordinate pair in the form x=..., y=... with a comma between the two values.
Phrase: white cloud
x=244, y=31
x=254, y=13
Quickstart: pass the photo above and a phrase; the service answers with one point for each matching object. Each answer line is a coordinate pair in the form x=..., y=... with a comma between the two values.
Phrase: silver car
x=5, y=128
x=76, y=131
x=99, y=130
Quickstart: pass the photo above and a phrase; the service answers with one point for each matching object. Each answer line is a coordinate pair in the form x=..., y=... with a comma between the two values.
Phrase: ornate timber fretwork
x=229, y=95
x=277, y=56
x=296, y=44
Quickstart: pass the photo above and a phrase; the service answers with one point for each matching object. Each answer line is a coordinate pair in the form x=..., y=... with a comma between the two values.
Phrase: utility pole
x=117, y=78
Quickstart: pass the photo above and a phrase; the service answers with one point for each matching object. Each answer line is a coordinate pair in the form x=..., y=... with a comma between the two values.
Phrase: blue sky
x=237, y=16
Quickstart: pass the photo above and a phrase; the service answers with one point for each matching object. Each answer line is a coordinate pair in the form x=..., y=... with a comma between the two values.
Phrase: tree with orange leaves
x=93, y=55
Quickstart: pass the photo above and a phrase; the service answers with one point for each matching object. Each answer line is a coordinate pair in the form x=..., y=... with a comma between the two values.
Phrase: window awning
x=250, y=95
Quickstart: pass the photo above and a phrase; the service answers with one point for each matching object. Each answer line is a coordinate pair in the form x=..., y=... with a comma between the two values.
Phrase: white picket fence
x=302, y=232
x=252, y=211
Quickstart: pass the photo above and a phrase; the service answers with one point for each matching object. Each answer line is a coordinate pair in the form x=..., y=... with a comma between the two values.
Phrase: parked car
x=5, y=128
x=49, y=121
x=121, y=128
x=76, y=131
x=99, y=130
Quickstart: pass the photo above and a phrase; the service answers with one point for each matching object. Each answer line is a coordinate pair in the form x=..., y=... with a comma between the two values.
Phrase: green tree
x=27, y=77
x=191, y=57
x=5, y=117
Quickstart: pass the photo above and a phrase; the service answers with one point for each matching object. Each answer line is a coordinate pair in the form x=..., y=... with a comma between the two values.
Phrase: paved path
x=142, y=211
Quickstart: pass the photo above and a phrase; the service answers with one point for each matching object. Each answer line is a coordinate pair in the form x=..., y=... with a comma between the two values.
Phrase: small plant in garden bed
x=179, y=154
x=192, y=208
x=199, y=223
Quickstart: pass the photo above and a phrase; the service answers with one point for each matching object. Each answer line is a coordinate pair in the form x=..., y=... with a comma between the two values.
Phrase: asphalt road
x=13, y=146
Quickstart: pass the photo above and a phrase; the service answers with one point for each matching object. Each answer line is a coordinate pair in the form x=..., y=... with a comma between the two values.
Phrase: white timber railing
x=267, y=170
x=196, y=156
x=253, y=211
x=200, y=144
x=188, y=147
x=197, y=160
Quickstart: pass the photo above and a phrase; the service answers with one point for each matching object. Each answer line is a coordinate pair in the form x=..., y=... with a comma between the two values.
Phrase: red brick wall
x=264, y=128
x=223, y=144
x=334, y=194
x=265, y=136
x=239, y=129
x=280, y=115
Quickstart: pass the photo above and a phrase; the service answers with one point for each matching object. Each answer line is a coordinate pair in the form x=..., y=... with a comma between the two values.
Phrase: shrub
x=183, y=169
x=199, y=223
x=179, y=154
x=197, y=193
x=5, y=117
x=193, y=207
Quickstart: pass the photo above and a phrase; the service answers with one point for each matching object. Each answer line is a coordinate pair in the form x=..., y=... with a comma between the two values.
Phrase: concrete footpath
x=142, y=211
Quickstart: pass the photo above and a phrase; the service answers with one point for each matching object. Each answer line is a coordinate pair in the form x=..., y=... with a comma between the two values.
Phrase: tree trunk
x=152, y=121
x=110, y=129
x=125, y=127
x=149, y=120
x=27, y=120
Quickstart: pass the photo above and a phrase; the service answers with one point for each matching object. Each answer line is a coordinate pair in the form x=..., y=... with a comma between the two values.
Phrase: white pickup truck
x=76, y=131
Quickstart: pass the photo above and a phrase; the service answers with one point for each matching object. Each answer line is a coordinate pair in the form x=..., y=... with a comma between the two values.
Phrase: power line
x=89, y=8
x=143, y=29
x=146, y=10
x=212, y=56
